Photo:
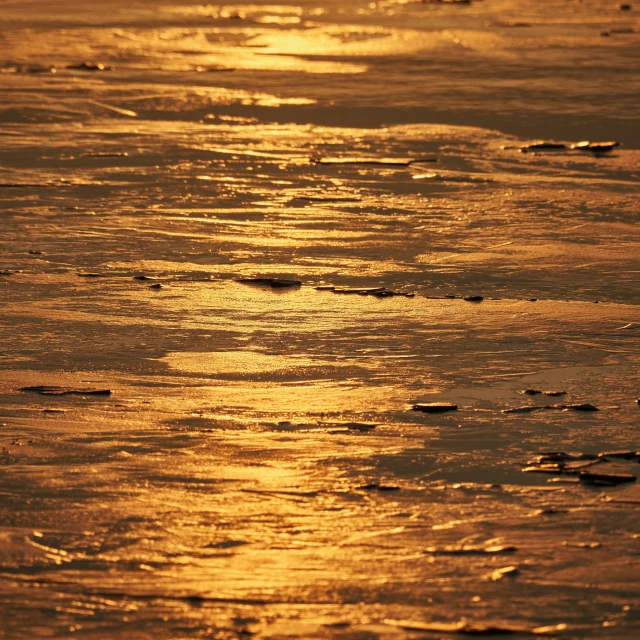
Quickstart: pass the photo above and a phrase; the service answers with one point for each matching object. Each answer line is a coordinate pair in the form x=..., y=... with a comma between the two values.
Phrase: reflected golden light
x=265, y=232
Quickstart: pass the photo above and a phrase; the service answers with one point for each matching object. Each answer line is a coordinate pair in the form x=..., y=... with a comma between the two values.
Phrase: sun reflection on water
x=242, y=244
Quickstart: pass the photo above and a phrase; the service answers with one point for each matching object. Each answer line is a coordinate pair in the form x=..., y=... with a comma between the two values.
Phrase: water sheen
x=257, y=469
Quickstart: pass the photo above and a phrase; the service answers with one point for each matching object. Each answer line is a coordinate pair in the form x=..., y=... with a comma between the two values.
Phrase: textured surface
x=257, y=468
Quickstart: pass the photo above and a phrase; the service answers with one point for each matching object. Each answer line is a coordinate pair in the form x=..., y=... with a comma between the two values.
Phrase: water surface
x=257, y=468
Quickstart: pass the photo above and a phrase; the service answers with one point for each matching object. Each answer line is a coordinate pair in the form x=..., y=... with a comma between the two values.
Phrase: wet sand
x=258, y=467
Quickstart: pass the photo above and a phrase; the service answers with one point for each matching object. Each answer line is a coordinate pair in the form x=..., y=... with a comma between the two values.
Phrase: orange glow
x=318, y=319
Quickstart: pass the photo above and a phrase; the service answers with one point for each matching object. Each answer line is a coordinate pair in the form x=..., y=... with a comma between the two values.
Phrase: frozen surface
x=257, y=469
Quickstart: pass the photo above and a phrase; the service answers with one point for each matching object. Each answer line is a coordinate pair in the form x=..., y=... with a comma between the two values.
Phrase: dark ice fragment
x=571, y=468
x=545, y=468
x=578, y=407
x=225, y=544
x=595, y=147
x=387, y=293
x=274, y=283
x=543, y=146
x=522, y=409
x=91, y=275
x=537, y=392
x=376, y=292
x=434, y=407
x=605, y=479
x=559, y=407
x=557, y=456
x=361, y=291
x=374, y=486
x=157, y=285
x=622, y=455
x=473, y=298
x=361, y=426
x=46, y=390
x=549, y=511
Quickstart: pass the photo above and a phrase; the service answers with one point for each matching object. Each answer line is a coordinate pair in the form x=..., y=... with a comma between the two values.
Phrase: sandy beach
x=319, y=319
